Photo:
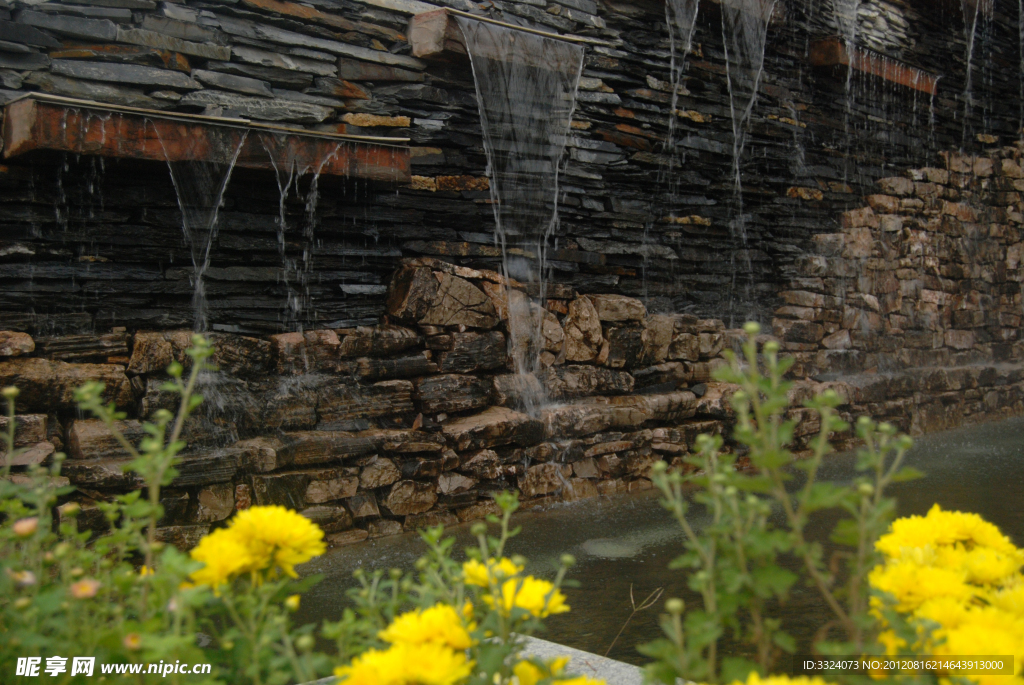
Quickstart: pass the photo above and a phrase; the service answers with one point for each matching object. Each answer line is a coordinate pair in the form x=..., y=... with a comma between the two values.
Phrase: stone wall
x=377, y=430
x=927, y=274
x=89, y=246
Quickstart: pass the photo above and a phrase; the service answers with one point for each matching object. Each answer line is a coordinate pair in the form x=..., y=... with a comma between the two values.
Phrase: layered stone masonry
x=378, y=430
x=88, y=247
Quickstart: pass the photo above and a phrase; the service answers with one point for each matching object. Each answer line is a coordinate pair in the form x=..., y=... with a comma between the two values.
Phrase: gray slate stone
x=19, y=33
x=77, y=27
x=126, y=4
x=273, y=34
x=113, y=13
x=182, y=29
x=90, y=90
x=240, y=84
x=153, y=39
x=273, y=59
x=273, y=75
x=25, y=61
x=259, y=108
x=6, y=46
x=123, y=73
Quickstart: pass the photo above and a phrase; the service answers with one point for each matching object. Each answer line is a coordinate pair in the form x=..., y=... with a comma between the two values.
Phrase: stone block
x=625, y=346
x=959, y=340
x=363, y=505
x=50, y=385
x=383, y=527
x=410, y=497
x=884, y=204
x=182, y=537
x=333, y=485
x=155, y=350
x=378, y=472
x=544, y=479
x=583, y=335
x=493, y=427
x=380, y=341
x=348, y=537
x=685, y=346
x=896, y=185
x=28, y=455
x=215, y=503
x=429, y=520
x=15, y=344
x=452, y=393
x=331, y=518
x=656, y=339
x=513, y=389
x=91, y=439
x=346, y=401
x=29, y=429
x=469, y=352
x=572, y=381
x=482, y=465
x=478, y=511
x=618, y=308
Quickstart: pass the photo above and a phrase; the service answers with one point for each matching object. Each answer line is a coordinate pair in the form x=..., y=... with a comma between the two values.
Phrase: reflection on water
x=630, y=539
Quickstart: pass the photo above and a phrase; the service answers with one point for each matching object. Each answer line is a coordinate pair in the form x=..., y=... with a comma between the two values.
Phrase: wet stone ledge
x=373, y=431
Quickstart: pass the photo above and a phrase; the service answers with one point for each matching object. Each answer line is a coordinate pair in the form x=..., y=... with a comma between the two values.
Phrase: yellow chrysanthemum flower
x=405, y=664
x=989, y=632
x=225, y=557
x=475, y=573
x=278, y=538
x=529, y=673
x=912, y=584
x=939, y=528
x=439, y=624
x=1010, y=599
x=755, y=679
x=539, y=597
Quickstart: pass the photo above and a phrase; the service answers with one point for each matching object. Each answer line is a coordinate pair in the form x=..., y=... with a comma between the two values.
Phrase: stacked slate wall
x=90, y=246
x=377, y=430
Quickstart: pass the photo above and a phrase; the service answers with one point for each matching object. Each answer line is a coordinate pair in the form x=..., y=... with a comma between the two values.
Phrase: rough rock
x=544, y=479
x=618, y=308
x=379, y=341
x=493, y=427
x=482, y=465
x=14, y=344
x=452, y=393
x=468, y=352
x=378, y=472
x=410, y=497
x=583, y=336
x=48, y=385
x=572, y=381
x=29, y=429
x=215, y=503
x=91, y=439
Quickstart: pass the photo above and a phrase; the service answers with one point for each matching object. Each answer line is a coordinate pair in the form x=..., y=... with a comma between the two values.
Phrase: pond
x=629, y=540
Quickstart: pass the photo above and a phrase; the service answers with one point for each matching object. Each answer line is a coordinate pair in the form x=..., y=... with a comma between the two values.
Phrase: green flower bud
x=10, y=392
x=675, y=606
x=568, y=560
x=479, y=528
x=305, y=643
x=751, y=328
x=771, y=347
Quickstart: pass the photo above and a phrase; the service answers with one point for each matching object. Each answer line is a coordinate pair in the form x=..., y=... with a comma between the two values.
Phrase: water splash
x=744, y=35
x=973, y=9
x=526, y=88
x=200, y=175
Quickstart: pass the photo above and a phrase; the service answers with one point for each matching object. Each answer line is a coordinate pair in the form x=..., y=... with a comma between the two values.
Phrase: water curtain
x=973, y=9
x=681, y=18
x=200, y=174
x=526, y=89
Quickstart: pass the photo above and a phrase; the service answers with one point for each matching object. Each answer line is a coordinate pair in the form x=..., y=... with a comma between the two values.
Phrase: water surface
x=630, y=539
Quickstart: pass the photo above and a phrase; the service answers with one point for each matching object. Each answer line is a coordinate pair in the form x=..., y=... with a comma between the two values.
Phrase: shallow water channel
x=630, y=539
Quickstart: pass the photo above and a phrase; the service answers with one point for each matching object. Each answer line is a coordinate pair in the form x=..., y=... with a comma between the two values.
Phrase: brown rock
x=346, y=402
x=348, y=537
x=363, y=505
x=429, y=520
x=91, y=439
x=583, y=335
x=453, y=393
x=48, y=385
x=656, y=339
x=575, y=420
x=411, y=293
x=618, y=308
x=484, y=465
x=410, y=497
x=28, y=455
x=381, y=341
x=454, y=483
x=14, y=344
x=28, y=428
x=459, y=302
x=377, y=473
x=155, y=350
x=182, y=537
x=478, y=511
x=215, y=503
x=572, y=380
x=469, y=352
x=543, y=479
x=685, y=346
x=511, y=389
x=495, y=426
x=337, y=486
x=330, y=518
x=625, y=346
x=580, y=488
x=383, y=527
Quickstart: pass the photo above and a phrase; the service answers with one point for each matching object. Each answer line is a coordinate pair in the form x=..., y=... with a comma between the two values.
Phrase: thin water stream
x=630, y=540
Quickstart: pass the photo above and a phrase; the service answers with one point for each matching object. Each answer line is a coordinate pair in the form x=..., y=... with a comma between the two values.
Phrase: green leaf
x=905, y=474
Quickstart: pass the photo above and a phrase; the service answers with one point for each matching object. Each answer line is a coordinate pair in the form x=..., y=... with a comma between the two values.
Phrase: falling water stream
x=200, y=176
x=744, y=35
x=526, y=87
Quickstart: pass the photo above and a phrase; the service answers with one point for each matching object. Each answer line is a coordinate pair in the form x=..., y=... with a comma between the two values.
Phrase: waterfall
x=744, y=35
x=972, y=10
x=526, y=89
x=200, y=175
x=845, y=13
x=1020, y=73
